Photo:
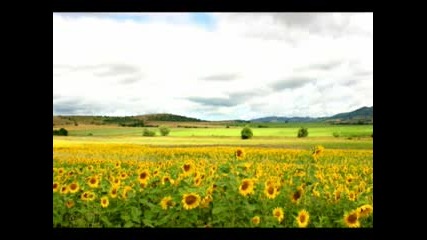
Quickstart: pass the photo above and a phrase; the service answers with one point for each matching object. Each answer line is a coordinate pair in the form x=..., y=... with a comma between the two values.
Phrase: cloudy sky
x=212, y=66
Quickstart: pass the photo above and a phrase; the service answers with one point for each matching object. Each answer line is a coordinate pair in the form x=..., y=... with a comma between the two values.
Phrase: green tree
x=164, y=131
x=302, y=132
x=246, y=133
x=148, y=133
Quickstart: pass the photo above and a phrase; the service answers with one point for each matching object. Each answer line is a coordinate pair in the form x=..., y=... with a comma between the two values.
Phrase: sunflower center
x=239, y=153
x=143, y=175
x=92, y=180
x=245, y=185
x=190, y=199
x=73, y=186
x=186, y=167
x=277, y=214
x=104, y=201
x=297, y=195
x=166, y=179
x=352, y=218
x=55, y=185
x=114, y=192
x=270, y=190
x=302, y=218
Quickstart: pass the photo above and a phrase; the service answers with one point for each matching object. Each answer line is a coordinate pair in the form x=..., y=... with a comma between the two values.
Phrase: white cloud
x=165, y=62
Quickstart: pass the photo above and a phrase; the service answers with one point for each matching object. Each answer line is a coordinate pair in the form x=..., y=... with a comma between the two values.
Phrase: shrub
x=302, y=132
x=246, y=133
x=164, y=130
x=148, y=133
x=336, y=134
x=60, y=132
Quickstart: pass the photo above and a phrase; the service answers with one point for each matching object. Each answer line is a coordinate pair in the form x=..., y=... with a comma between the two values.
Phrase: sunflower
x=64, y=190
x=125, y=192
x=352, y=196
x=73, y=187
x=271, y=191
x=61, y=171
x=93, y=182
x=302, y=218
x=279, y=214
x=352, y=219
x=90, y=167
x=143, y=176
x=318, y=150
x=197, y=181
x=365, y=210
x=113, y=191
x=190, y=201
x=123, y=175
x=187, y=168
x=69, y=203
x=239, y=153
x=256, y=220
x=166, y=202
x=104, y=202
x=166, y=179
x=87, y=196
x=297, y=195
x=337, y=194
x=115, y=182
x=247, y=187
x=70, y=173
x=205, y=201
x=55, y=187
x=117, y=165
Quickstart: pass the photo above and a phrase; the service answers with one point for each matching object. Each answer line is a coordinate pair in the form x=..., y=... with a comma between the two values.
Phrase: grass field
x=209, y=177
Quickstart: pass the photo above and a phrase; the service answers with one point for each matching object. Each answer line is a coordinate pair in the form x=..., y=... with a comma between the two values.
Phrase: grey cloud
x=363, y=73
x=221, y=102
x=325, y=66
x=108, y=69
x=129, y=80
x=291, y=83
x=117, y=69
x=76, y=106
x=221, y=77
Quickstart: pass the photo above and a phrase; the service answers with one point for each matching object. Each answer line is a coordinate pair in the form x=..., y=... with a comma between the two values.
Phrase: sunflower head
x=190, y=201
x=296, y=196
x=93, y=182
x=143, y=176
x=69, y=203
x=365, y=210
x=166, y=202
x=104, y=202
x=302, y=218
x=247, y=187
x=113, y=191
x=187, y=168
x=64, y=189
x=239, y=153
x=256, y=220
x=55, y=187
x=73, y=187
x=271, y=191
x=278, y=214
x=352, y=219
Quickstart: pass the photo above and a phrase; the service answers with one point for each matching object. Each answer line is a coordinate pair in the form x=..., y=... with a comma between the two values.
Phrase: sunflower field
x=129, y=185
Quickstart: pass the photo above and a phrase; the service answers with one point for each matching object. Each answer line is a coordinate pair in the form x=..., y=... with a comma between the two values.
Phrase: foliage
x=145, y=186
x=60, y=132
x=246, y=133
x=148, y=133
x=302, y=132
x=164, y=131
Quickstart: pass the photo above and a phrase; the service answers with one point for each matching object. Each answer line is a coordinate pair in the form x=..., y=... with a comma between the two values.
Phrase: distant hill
x=167, y=117
x=358, y=116
x=128, y=121
x=285, y=119
x=362, y=115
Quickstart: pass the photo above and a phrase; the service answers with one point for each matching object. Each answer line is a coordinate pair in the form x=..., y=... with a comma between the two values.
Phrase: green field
x=326, y=131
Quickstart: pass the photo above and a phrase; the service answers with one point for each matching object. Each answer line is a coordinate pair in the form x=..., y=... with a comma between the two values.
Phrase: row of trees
x=247, y=133
x=164, y=131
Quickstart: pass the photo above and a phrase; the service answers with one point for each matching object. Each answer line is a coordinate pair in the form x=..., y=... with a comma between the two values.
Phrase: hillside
x=362, y=115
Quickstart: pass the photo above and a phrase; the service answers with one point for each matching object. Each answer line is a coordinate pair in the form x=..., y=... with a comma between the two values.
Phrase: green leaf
x=128, y=225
